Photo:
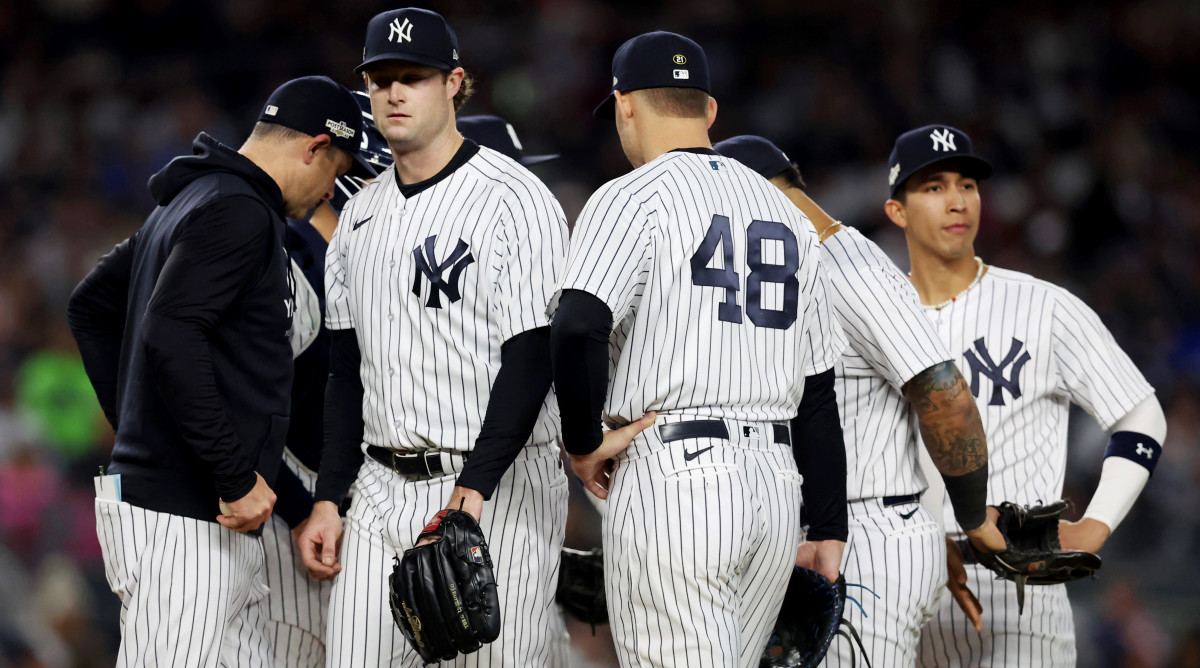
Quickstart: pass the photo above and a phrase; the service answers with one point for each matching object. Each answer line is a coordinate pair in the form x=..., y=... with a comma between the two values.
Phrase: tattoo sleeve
x=949, y=419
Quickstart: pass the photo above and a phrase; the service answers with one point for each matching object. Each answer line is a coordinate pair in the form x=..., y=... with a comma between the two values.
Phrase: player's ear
x=454, y=81
x=624, y=104
x=896, y=213
x=712, y=110
x=314, y=146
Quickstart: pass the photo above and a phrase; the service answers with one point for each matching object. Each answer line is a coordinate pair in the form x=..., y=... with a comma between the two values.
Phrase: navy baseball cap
x=656, y=60
x=373, y=149
x=319, y=106
x=498, y=134
x=411, y=35
x=917, y=149
x=756, y=153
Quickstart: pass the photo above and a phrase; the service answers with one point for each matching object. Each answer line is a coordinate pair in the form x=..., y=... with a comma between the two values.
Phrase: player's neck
x=938, y=279
x=661, y=135
x=425, y=162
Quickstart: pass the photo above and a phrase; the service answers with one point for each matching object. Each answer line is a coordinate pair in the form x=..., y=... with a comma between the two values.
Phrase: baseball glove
x=1034, y=555
x=443, y=595
x=580, y=589
x=810, y=618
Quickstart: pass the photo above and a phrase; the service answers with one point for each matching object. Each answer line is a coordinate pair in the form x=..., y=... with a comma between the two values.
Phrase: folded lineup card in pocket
x=108, y=487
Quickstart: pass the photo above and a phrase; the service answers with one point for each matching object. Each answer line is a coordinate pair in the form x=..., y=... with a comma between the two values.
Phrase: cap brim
x=607, y=109
x=973, y=166
x=404, y=58
x=528, y=160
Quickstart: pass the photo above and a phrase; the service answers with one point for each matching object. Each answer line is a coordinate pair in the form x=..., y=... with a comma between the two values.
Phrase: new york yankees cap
x=498, y=134
x=319, y=106
x=917, y=149
x=656, y=60
x=755, y=152
x=412, y=35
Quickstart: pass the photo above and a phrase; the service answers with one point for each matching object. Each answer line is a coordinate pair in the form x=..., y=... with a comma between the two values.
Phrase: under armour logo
x=1143, y=450
x=982, y=365
x=943, y=138
x=400, y=32
x=428, y=266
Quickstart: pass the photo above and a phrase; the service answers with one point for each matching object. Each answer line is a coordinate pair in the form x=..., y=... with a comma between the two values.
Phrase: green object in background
x=56, y=401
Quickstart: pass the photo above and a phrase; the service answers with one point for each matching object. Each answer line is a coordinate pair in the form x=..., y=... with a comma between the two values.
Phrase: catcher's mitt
x=443, y=595
x=1034, y=555
x=580, y=589
x=811, y=616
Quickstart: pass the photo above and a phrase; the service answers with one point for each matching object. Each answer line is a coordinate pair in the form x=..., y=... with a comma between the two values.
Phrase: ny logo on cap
x=339, y=128
x=400, y=32
x=943, y=138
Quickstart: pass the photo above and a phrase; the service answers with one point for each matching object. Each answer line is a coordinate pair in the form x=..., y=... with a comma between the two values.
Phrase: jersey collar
x=464, y=153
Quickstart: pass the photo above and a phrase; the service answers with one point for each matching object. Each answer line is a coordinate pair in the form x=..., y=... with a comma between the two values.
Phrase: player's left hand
x=595, y=468
x=465, y=499
x=1087, y=535
x=822, y=556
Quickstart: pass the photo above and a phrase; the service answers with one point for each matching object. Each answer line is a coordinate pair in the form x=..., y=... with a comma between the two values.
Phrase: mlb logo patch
x=477, y=554
x=681, y=74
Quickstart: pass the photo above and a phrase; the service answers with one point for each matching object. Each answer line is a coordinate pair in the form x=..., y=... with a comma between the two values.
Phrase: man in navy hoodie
x=184, y=330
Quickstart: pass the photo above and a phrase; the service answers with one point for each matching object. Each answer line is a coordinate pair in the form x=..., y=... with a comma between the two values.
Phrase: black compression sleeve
x=820, y=453
x=293, y=503
x=579, y=354
x=516, y=399
x=342, y=454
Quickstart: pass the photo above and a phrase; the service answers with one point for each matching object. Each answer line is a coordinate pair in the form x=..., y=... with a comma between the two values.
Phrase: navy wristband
x=1137, y=448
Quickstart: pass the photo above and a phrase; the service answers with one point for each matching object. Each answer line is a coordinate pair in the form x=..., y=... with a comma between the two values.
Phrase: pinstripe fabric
x=1050, y=351
x=523, y=522
x=891, y=341
x=419, y=359
x=296, y=603
x=903, y=561
x=698, y=553
x=632, y=247
x=191, y=591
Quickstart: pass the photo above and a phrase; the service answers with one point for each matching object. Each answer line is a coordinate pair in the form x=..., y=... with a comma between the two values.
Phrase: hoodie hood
x=210, y=156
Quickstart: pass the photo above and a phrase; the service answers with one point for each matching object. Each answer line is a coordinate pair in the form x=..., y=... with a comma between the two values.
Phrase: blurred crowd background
x=1084, y=108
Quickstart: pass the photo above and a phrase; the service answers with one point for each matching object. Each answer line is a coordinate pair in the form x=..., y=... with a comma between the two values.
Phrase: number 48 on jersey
x=720, y=235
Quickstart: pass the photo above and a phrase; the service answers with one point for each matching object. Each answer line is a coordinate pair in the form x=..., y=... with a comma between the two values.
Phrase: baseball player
x=695, y=286
x=894, y=360
x=437, y=282
x=296, y=602
x=183, y=329
x=1029, y=349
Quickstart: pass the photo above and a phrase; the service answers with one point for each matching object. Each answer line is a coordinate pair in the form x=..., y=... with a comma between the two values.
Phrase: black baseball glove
x=443, y=595
x=1034, y=555
x=810, y=618
x=580, y=589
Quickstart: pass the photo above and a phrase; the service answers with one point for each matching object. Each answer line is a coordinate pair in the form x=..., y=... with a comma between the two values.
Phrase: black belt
x=678, y=431
x=889, y=501
x=427, y=464
x=968, y=552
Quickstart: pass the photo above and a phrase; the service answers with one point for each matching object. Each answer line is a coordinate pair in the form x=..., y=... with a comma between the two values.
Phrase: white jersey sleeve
x=1093, y=370
x=337, y=297
x=611, y=251
x=533, y=241
x=823, y=336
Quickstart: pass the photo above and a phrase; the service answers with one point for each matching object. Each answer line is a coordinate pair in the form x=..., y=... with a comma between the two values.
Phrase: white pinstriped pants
x=1043, y=636
x=524, y=523
x=191, y=591
x=899, y=552
x=296, y=603
x=698, y=552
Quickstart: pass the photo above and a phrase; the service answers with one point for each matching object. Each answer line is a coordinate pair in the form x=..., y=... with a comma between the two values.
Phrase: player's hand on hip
x=1087, y=534
x=986, y=537
x=465, y=499
x=321, y=541
x=957, y=584
x=249, y=512
x=822, y=556
x=595, y=468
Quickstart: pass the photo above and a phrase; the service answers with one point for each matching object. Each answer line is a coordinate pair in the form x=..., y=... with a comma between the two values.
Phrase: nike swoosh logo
x=692, y=455
x=361, y=223
x=910, y=513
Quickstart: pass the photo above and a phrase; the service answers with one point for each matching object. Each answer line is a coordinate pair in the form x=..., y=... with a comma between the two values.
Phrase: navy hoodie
x=183, y=329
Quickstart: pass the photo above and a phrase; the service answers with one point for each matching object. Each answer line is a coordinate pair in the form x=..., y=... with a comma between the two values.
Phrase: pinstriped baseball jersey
x=433, y=285
x=890, y=342
x=718, y=297
x=1029, y=349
